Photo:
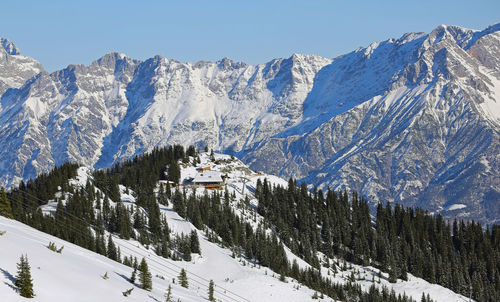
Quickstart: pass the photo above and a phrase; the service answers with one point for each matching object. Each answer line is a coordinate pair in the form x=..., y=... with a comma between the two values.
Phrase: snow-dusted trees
x=168, y=294
x=112, y=253
x=211, y=291
x=145, y=276
x=174, y=172
x=185, y=249
x=134, y=275
x=183, y=279
x=24, y=283
x=195, y=243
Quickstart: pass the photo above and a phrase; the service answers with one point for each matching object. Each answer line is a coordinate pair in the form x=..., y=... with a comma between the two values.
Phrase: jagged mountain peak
x=298, y=57
x=15, y=69
x=456, y=34
x=366, y=119
x=9, y=47
x=110, y=59
x=227, y=64
x=492, y=29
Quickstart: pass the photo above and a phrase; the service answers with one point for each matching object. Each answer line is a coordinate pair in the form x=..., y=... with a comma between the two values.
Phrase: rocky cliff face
x=414, y=120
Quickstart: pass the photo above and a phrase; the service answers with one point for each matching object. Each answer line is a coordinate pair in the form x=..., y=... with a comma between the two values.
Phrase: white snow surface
x=491, y=104
x=70, y=275
x=74, y=275
x=456, y=206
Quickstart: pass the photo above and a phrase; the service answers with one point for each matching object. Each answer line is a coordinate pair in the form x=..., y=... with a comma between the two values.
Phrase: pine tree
x=5, y=209
x=174, y=172
x=23, y=279
x=211, y=291
x=168, y=295
x=212, y=157
x=145, y=276
x=393, y=277
x=100, y=245
x=128, y=292
x=185, y=248
x=183, y=280
x=134, y=274
x=111, y=250
x=195, y=243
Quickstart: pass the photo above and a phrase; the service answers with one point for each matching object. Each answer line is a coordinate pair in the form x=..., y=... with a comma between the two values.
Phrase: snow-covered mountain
x=76, y=274
x=414, y=120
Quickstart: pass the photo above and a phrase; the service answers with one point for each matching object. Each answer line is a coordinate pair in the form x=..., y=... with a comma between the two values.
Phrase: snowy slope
x=15, y=68
x=74, y=275
x=235, y=279
x=236, y=170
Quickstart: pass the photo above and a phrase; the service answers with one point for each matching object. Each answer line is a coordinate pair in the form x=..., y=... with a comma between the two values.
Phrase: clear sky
x=58, y=33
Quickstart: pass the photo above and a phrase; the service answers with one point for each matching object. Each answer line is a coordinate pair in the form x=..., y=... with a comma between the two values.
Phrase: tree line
x=457, y=255
x=399, y=240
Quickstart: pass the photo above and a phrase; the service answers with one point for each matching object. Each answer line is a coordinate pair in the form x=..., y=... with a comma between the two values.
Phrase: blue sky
x=58, y=33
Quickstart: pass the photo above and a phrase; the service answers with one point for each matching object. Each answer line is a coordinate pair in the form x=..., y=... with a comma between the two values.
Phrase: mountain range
x=414, y=120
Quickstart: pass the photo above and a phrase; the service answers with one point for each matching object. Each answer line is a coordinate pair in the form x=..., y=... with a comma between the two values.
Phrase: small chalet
x=208, y=177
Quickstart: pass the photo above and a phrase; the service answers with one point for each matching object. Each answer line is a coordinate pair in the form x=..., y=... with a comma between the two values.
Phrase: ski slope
x=76, y=274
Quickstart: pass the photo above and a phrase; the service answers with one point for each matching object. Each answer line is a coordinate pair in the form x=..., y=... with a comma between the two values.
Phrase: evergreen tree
x=174, y=172
x=194, y=242
x=145, y=276
x=191, y=151
x=112, y=253
x=183, y=280
x=211, y=291
x=212, y=157
x=24, y=283
x=100, y=245
x=393, y=275
x=168, y=295
x=5, y=208
x=179, y=203
x=185, y=248
x=134, y=274
x=128, y=292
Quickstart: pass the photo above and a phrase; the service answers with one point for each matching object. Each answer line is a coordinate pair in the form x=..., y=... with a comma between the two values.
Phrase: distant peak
x=298, y=58
x=226, y=63
x=478, y=35
x=494, y=27
x=459, y=35
x=9, y=47
x=411, y=36
x=491, y=29
x=452, y=28
x=116, y=55
x=111, y=58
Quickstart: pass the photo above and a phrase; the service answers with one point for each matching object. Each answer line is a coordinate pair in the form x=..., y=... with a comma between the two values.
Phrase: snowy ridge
x=235, y=279
x=404, y=120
